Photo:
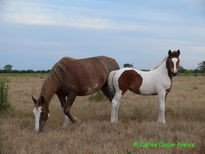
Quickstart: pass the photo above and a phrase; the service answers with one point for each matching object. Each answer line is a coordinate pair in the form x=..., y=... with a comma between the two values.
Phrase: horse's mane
x=55, y=77
x=164, y=59
x=56, y=74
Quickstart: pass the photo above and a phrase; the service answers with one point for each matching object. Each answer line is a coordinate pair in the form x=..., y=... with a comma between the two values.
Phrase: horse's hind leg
x=107, y=92
x=115, y=106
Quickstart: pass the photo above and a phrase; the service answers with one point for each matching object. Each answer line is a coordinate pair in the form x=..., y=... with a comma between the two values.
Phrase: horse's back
x=84, y=76
x=88, y=65
x=107, y=62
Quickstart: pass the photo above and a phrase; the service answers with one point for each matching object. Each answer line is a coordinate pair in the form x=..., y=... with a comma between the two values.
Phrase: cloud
x=42, y=14
x=25, y=42
x=58, y=20
x=146, y=21
x=96, y=23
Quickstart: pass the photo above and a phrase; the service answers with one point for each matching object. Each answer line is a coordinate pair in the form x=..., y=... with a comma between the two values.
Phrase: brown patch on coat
x=168, y=66
x=43, y=117
x=177, y=64
x=130, y=79
x=168, y=90
x=35, y=102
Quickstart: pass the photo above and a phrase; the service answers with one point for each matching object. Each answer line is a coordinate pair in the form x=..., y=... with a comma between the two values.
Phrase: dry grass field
x=185, y=116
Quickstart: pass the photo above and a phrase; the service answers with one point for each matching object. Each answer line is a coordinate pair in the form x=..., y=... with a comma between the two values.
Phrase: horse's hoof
x=80, y=121
x=113, y=121
x=162, y=121
x=65, y=125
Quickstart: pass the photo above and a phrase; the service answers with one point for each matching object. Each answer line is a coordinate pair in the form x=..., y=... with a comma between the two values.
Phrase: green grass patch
x=99, y=96
x=41, y=75
x=4, y=105
x=191, y=74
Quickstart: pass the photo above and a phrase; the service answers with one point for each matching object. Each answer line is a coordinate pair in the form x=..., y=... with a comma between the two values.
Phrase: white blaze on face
x=37, y=113
x=174, y=60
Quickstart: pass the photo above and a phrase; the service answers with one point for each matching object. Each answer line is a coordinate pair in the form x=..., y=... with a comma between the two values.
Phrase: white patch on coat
x=155, y=81
x=174, y=60
x=92, y=89
x=37, y=113
x=66, y=119
x=110, y=81
x=89, y=90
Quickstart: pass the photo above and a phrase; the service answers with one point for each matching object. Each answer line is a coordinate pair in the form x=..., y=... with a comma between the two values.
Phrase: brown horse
x=70, y=78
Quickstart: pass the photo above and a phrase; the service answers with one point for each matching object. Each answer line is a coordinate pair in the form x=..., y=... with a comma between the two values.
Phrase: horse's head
x=41, y=113
x=173, y=61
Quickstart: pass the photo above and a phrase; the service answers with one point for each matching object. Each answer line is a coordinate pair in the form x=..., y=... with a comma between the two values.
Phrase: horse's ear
x=42, y=99
x=34, y=100
x=178, y=52
x=169, y=52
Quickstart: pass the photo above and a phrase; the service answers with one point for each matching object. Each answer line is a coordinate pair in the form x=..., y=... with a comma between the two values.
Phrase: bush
x=99, y=96
x=187, y=71
x=4, y=105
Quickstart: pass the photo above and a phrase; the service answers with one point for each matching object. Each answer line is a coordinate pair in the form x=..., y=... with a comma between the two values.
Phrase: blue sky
x=35, y=34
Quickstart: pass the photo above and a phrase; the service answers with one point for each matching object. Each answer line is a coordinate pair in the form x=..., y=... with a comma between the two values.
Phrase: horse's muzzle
x=174, y=74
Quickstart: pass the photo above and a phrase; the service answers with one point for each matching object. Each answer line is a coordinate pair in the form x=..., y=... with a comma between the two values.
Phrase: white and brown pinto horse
x=157, y=81
x=70, y=78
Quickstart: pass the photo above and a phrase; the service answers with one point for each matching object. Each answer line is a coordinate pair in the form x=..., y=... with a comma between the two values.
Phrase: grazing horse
x=157, y=81
x=70, y=78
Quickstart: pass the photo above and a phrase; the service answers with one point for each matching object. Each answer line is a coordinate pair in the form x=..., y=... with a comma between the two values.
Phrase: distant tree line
x=181, y=69
x=128, y=65
x=25, y=71
x=8, y=69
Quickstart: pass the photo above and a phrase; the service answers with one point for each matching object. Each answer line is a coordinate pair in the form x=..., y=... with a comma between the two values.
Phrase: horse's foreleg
x=62, y=99
x=69, y=103
x=115, y=107
x=161, y=116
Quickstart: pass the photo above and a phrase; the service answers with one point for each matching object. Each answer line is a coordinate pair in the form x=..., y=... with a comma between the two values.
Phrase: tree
x=201, y=66
x=181, y=69
x=128, y=65
x=8, y=67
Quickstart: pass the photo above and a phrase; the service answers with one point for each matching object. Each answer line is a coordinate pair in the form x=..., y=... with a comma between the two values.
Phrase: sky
x=35, y=34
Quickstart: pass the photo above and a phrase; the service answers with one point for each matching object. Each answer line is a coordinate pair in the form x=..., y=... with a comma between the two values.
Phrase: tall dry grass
x=185, y=116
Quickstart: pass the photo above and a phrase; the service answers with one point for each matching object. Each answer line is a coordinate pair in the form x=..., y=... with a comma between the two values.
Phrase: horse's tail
x=110, y=81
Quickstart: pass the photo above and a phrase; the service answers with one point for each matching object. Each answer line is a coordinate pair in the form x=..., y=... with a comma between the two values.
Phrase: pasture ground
x=185, y=116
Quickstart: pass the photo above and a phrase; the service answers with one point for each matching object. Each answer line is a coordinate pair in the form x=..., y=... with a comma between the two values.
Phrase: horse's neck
x=163, y=69
x=48, y=90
